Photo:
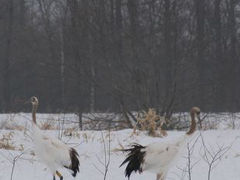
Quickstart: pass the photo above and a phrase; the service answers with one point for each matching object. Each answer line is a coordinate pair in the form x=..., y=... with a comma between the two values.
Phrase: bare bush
x=212, y=157
x=103, y=121
x=14, y=163
x=107, y=155
x=187, y=170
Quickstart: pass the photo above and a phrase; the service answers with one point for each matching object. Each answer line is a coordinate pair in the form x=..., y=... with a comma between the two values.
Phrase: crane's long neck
x=34, y=110
x=193, y=125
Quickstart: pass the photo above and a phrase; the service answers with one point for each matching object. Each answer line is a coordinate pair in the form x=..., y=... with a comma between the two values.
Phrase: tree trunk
x=6, y=62
x=62, y=67
x=234, y=64
x=219, y=59
x=200, y=50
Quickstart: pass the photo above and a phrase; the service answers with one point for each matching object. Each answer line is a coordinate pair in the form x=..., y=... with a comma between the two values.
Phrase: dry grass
x=32, y=153
x=73, y=132
x=152, y=123
x=14, y=127
x=5, y=142
x=47, y=125
x=9, y=124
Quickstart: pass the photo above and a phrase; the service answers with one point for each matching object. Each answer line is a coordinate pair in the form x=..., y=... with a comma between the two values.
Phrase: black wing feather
x=135, y=158
x=74, y=161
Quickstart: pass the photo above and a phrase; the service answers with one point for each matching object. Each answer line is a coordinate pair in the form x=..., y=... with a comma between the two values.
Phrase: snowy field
x=218, y=149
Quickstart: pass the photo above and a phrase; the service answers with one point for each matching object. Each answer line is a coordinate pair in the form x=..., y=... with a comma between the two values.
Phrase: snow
x=90, y=146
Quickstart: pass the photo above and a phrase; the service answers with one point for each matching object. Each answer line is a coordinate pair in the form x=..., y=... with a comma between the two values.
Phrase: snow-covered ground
x=19, y=160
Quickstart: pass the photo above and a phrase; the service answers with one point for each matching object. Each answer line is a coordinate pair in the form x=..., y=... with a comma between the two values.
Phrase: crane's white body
x=160, y=157
x=53, y=152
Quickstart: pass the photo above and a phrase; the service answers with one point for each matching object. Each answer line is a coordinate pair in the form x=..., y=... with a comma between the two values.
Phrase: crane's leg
x=59, y=175
x=54, y=177
x=160, y=177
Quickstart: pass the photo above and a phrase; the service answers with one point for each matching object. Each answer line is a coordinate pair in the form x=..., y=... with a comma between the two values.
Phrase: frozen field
x=221, y=147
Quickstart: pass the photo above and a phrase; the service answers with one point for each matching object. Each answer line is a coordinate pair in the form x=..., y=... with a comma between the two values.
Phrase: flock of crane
x=156, y=157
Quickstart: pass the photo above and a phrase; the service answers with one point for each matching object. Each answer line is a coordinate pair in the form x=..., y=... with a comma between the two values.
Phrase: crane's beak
x=198, y=117
x=199, y=121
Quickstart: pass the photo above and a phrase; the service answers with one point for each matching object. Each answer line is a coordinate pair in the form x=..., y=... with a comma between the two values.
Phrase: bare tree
x=213, y=157
x=122, y=56
x=7, y=57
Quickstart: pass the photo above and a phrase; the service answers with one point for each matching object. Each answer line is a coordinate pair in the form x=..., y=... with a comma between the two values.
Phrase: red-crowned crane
x=51, y=151
x=158, y=157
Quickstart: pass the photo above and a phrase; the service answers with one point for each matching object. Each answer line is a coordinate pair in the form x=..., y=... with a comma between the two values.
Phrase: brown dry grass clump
x=8, y=125
x=47, y=125
x=73, y=132
x=5, y=141
x=152, y=123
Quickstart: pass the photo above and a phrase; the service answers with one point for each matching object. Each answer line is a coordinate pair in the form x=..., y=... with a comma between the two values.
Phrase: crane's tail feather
x=135, y=159
x=74, y=162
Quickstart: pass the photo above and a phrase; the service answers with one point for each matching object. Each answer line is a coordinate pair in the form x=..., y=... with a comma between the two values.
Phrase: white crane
x=158, y=157
x=54, y=153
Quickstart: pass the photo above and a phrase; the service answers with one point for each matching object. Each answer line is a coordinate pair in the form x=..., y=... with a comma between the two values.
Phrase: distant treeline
x=120, y=55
